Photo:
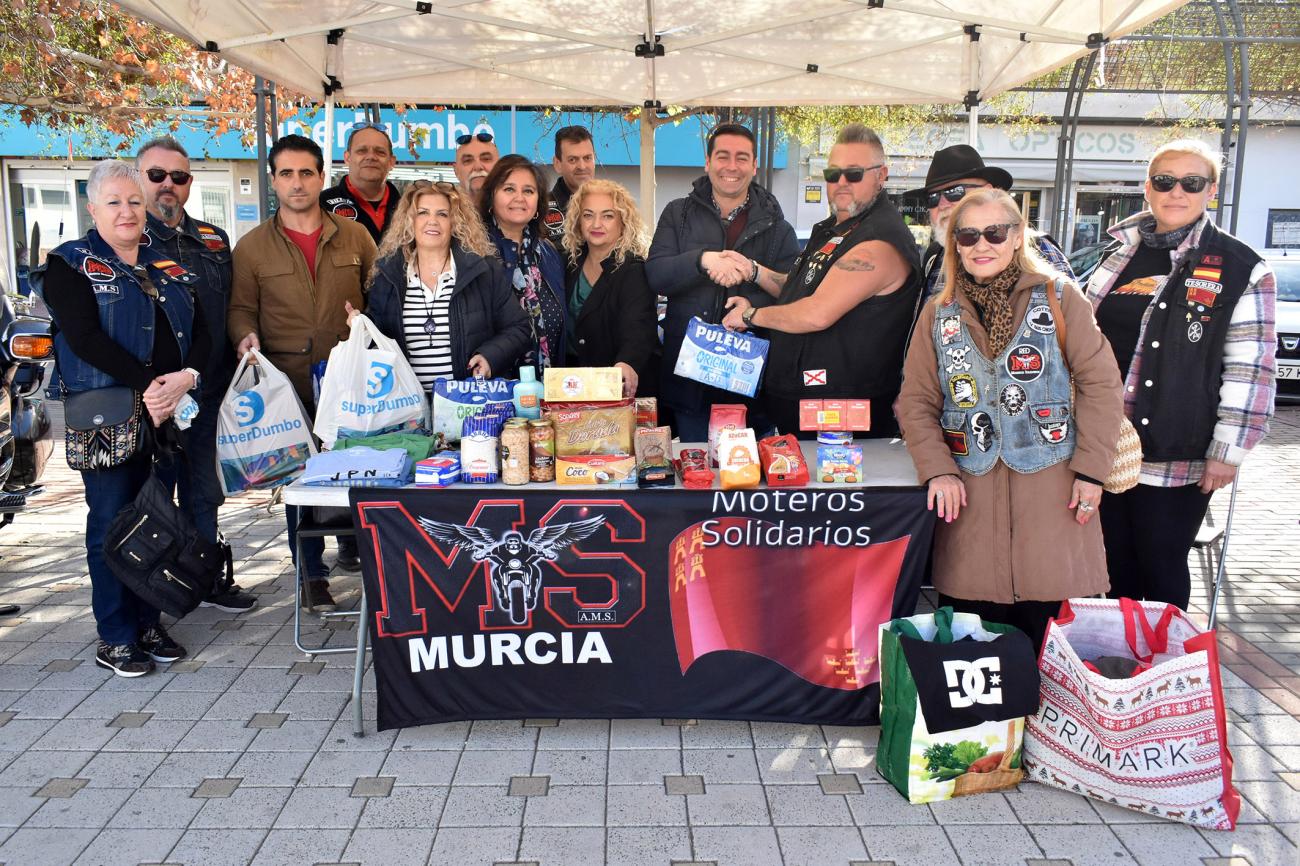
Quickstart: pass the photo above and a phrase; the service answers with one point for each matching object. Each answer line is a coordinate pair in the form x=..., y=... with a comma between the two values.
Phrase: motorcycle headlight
x=31, y=347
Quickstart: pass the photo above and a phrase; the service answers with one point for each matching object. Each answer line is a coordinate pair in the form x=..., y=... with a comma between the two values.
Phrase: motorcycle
x=26, y=436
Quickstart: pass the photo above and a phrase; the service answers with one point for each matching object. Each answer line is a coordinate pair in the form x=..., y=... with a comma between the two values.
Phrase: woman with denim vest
x=438, y=289
x=1189, y=312
x=512, y=203
x=125, y=315
x=1012, y=461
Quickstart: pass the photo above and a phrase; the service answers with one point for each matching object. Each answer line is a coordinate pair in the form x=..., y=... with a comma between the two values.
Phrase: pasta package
x=647, y=412
x=585, y=384
x=693, y=469
x=593, y=428
x=654, y=448
x=783, y=461
x=738, y=459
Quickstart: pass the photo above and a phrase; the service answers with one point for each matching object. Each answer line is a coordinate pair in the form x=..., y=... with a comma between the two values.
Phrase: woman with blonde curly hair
x=611, y=309
x=438, y=289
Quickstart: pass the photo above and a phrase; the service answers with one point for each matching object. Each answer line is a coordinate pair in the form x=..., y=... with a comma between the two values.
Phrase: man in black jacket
x=204, y=250
x=364, y=195
x=727, y=238
x=575, y=163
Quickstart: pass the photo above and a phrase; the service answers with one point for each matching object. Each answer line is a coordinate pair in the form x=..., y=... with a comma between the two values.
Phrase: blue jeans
x=198, y=487
x=120, y=615
x=313, y=549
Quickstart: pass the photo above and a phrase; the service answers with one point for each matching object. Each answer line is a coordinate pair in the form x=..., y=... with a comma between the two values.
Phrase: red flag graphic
x=815, y=609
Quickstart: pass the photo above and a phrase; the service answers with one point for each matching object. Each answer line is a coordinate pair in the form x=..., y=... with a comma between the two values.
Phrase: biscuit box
x=839, y=463
x=592, y=428
x=595, y=469
x=582, y=384
x=835, y=414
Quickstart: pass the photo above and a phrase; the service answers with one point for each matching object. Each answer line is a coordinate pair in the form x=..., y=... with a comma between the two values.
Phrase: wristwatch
x=194, y=373
x=754, y=277
x=748, y=317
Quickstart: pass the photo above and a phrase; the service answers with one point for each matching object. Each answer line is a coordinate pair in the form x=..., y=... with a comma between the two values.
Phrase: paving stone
x=74, y=734
x=753, y=846
x=481, y=807
x=341, y=769
x=683, y=785
x=189, y=769
x=989, y=808
x=840, y=783
x=374, y=786
x=792, y=766
x=217, y=788
x=714, y=734
x=188, y=666
x=643, y=734
x=643, y=806
x=271, y=769
x=541, y=723
x=728, y=766
x=422, y=768
x=1164, y=844
x=327, y=808
x=1042, y=804
x=501, y=735
x=481, y=844
x=388, y=846
x=5, y=717
x=42, y=847
x=1086, y=846
x=307, y=668
x=492, y=768
x=157, y=808
x=639, y=846
x=409, y=807
x=729, y=805
x=567, y=806
x=529, y=786
x=806, y=805
x=212, y=736
x=301, y=846
x=130, y=720
x=129, y=846
x=575, y=734
x=246, y=808
x=154, y=735
x=181, y=706
x=18, y=804
x=643, y=766
x=314, y=706
x=567, y=767
x=92, y=807
x=62, y=665
x=268, y=720
x=881, y=805
x=559, y=844
x=781, y=735
x=817, y=846
x=61, y=788
x=121, y=769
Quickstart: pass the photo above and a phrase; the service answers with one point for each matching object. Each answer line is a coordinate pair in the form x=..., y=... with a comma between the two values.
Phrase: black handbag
x=155, y=551
x=104, y=428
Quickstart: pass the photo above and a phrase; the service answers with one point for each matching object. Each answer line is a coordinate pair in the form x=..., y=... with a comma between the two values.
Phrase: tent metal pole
x=1062, y=153
x=328, y=147
x=1243, y=85
x=647, y=197
x=1230, y=100
x=973, y=126
x=1065, y=146
x=769, y=155
x=263, y=188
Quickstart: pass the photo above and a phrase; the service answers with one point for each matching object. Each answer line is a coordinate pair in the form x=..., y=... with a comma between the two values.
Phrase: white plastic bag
x=263, y=433
x=368, y=391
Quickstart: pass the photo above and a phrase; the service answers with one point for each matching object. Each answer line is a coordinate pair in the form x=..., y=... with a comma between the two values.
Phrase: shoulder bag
x=103, y=428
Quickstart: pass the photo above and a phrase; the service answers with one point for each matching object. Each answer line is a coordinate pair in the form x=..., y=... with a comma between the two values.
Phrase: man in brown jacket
x=293, y=275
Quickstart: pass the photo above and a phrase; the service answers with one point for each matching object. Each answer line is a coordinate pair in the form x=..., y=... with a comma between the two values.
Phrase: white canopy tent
x=652, y=53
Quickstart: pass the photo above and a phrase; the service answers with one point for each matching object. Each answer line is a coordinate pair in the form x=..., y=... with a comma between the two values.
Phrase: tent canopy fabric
x=702, y=53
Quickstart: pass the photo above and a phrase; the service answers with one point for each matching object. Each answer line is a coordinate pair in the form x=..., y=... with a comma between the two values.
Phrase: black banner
x=753, y=604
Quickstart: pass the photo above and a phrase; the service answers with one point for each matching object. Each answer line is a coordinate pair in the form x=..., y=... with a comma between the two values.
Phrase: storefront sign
x=754, y=604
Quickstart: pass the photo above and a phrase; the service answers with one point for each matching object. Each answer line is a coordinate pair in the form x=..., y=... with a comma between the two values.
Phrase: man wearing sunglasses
x=364, y=195
x=204, y=250
x=955, y=171
x=575, y=163
x=476, y=153
x=728, y=237
x=842, y=317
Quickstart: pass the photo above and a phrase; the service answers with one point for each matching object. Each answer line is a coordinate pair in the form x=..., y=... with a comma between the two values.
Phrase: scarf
x=1164, y=240
x=528, y=285
x=992, y=301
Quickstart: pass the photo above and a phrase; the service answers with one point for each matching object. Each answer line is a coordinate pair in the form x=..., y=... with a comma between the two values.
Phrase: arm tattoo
x=854, y=263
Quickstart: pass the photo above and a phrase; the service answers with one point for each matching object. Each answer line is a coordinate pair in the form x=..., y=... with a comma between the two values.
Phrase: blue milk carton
x=729, y=360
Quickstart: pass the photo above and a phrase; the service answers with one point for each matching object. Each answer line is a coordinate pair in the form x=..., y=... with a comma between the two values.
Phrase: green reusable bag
x=925, y=766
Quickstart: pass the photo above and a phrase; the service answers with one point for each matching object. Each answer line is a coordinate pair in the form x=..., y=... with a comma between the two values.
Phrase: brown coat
x=298, y=319
x=1016, y=540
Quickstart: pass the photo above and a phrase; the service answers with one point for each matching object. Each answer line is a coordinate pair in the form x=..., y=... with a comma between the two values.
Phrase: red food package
x=725, y=416
x=783, y=461
x=693, y=469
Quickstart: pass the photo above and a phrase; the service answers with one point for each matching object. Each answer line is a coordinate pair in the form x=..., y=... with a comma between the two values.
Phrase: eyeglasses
x=852, y=175
x=465, y=139
x=1191, y=183
x=953, y=194
x=366, y=124
x=157, y=175
x=440, y=185
x=994, y=234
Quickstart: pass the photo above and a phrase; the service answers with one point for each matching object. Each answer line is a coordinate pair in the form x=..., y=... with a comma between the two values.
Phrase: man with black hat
x=955, y=171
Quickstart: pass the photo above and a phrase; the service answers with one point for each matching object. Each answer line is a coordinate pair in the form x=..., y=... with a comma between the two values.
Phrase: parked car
x=1084, y=260
x=1287, y=270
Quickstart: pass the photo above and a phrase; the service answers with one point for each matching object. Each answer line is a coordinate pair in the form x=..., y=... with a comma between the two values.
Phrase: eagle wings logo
x=516, y=570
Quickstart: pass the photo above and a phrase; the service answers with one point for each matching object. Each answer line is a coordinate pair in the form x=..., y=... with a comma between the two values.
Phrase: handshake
x=728, y=268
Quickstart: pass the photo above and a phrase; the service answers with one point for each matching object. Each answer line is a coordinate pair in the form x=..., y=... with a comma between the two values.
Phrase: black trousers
x=1029, y=616
x=1149, y=533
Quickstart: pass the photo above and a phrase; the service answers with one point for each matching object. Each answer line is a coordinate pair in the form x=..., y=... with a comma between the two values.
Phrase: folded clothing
x=418, y=445
x=359, y=467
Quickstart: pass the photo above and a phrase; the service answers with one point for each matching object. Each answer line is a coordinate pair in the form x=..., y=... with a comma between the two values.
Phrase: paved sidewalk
x=245, y=754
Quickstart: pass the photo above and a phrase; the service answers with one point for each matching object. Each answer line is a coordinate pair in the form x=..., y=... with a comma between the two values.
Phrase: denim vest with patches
x=1015, y=406
x=126, y=313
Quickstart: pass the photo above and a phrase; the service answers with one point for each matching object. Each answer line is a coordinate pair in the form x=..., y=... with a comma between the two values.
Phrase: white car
x=1287, y=269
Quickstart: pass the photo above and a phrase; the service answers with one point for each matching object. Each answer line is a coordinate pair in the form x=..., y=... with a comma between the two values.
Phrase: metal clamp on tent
x=645, y=49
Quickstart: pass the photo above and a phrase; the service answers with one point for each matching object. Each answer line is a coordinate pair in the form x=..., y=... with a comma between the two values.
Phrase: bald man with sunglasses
x=476, y=153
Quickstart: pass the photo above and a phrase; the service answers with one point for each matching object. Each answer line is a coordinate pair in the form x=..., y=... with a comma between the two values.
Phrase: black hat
x=959, y=161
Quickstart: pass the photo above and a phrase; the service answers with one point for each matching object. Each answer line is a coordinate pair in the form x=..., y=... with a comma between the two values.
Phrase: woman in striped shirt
x=438, y=289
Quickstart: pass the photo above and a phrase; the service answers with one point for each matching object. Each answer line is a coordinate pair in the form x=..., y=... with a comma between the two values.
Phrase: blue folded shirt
x=359, y=467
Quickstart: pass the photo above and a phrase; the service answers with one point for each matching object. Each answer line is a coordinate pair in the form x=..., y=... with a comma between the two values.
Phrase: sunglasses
x=467, y=138
x=157, y=175
x=852, y=175
x=994, y=234
x=1191, y=183
x=953, y=194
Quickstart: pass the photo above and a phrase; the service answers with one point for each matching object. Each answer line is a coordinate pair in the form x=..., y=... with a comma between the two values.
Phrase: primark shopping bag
x=954, y=693
x=730, y=360
x=1154, y=742
x=263, y=433
x=369, y=388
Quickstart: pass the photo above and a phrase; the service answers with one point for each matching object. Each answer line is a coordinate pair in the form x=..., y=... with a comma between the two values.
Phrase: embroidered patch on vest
x=814, y=377
x=964, y=391
x=1025, y=363
x=957, y=359
x=97, y=270
x=1013, y=399
x=1054, y=431
x=982, y=426
x=949, y=328
x=1040, y=319
x=1194, y=332
x=956, y=440
x=344, y=209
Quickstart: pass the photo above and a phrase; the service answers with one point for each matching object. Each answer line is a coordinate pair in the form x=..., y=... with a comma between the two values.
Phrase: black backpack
x=154, y=549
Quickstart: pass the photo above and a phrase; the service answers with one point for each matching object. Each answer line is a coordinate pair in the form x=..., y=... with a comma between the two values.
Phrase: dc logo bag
x=1155, y=742
x=263, y=433
x=729, y=360
x=954, y=691
x=369, y=389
